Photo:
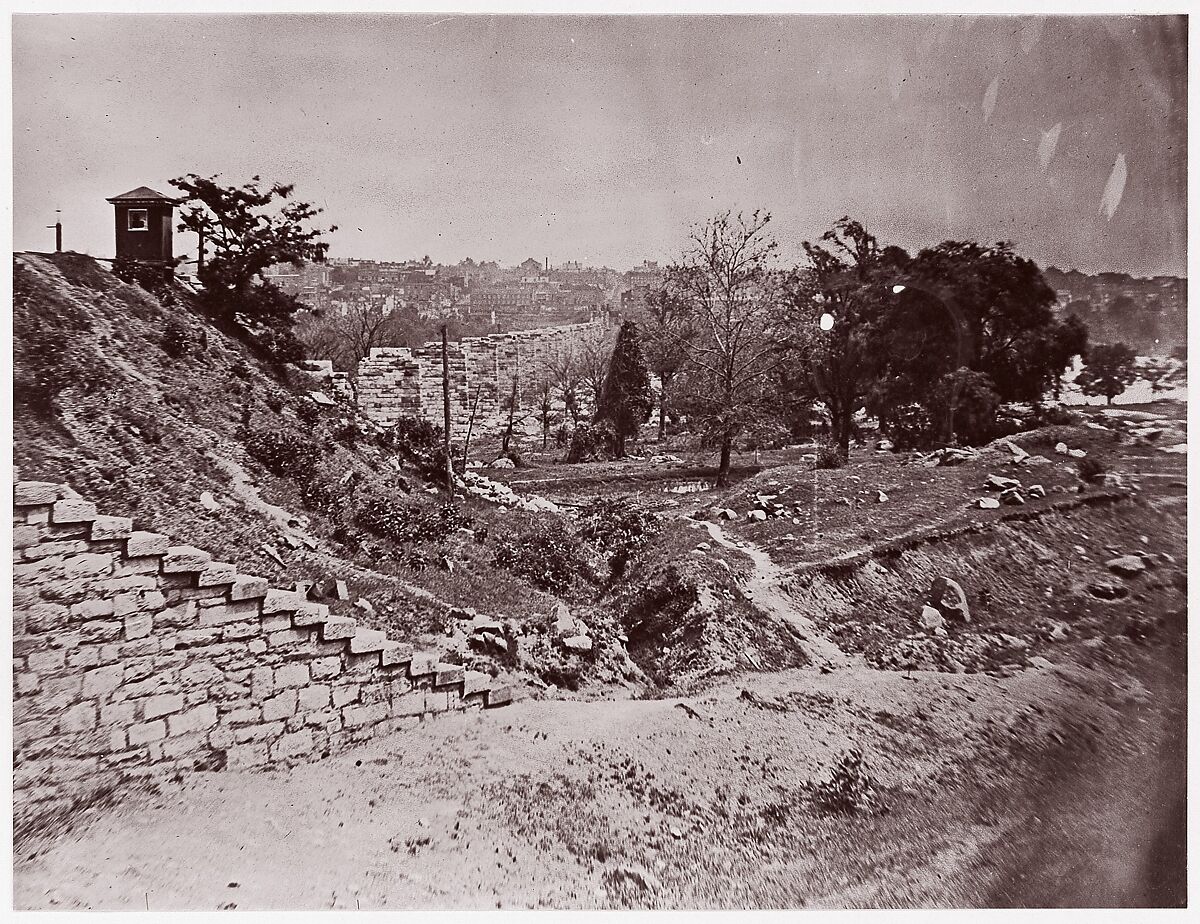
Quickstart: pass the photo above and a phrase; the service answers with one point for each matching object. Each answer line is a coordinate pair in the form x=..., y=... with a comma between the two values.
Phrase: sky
x=603, y=139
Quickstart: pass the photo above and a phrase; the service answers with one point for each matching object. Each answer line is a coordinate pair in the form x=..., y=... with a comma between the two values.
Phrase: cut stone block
x=104, y=528
x=72, y=511
x=246, y=587
x=499, y=696
x=184, y=559
x=216, y=574
x=282, y=601
x=397, y=653
x=141, y=544
x=335, y=629
x=447, y=674
x=368, y=640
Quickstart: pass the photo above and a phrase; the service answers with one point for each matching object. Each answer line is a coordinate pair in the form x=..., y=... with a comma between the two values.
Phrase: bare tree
x=565, y=371
x=349, y=335
x=734, y=297
x=595, y=351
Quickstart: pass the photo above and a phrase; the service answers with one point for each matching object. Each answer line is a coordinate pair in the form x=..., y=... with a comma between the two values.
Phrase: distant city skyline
x=603, y=139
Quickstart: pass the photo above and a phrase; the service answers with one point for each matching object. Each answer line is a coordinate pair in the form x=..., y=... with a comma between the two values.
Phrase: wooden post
x=57, y=226
x=446, y=409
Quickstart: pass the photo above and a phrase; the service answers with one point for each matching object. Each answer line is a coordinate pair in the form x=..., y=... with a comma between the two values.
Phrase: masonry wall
x=135, y=657
x=395, y=382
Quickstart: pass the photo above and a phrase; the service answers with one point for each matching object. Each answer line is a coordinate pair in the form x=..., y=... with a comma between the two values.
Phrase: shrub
x=549, y=557
x=828, y=456
x=850, y=788
x=322, y=497
x=411, y=436
x=308, y=413
x=405, y=521
x=153, y=279
x=176, y=341
x=592, y=442
x=347, y=432
x=283, y=453
x=1056, y=415
x=1090, y=468
x=617, y=529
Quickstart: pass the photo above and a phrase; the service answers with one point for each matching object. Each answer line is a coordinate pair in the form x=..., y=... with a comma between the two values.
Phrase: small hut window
x=139, y=220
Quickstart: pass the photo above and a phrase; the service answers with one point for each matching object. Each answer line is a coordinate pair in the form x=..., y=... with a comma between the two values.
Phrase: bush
x=283, y=454
x=347, y=432
x=1056, y=415
x=617, y=529
x=323, y=497
x=308, y=413
x=153, y=279
x=176, y=341
x=593, y=442
x=828, y=456
x=1090, y=469
x=411, y=436
x=549, y=557
x=404, y=521
x=850, y=788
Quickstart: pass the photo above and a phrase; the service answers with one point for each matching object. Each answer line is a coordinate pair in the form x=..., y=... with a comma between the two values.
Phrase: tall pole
x=446, y=410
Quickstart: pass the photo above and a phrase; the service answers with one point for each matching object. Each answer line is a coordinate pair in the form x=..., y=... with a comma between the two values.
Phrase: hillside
x=147, y=409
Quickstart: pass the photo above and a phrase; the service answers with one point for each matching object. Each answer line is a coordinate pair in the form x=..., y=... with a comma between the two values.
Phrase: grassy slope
x=144, y=434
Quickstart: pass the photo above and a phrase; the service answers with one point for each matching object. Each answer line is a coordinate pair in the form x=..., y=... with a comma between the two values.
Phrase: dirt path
x=763, y=587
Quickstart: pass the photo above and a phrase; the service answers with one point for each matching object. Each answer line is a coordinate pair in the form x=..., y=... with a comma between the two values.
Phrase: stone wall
x=134, y=657
x=398, y=382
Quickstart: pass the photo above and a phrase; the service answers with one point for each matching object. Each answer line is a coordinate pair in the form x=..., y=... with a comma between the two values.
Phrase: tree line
x=931, y=344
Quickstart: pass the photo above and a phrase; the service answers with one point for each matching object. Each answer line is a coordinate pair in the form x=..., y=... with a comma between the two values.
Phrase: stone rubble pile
x=494, y=492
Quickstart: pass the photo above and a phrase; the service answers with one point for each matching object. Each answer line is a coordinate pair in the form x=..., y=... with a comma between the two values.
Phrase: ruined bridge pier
x=395, y=382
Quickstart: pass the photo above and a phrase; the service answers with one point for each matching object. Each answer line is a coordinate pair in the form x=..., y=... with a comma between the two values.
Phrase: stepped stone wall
x=135, y=657
x=396, y=382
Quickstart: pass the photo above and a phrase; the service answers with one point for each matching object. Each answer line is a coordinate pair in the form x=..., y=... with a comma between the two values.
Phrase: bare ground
x=643, y=804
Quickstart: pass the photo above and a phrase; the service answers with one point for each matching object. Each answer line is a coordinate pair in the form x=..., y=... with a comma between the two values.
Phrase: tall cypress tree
x=625, y=399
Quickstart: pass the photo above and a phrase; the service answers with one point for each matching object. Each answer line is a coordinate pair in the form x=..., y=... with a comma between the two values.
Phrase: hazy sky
x=602, y=139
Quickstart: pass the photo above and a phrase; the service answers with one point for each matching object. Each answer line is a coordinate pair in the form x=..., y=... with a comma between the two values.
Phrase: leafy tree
x=1006, y=308
x=625, y=399
x=732, y=295
x=848, y=285
x=249, y=228
x=904, y=328
x=1109, y=370
x=565, y=371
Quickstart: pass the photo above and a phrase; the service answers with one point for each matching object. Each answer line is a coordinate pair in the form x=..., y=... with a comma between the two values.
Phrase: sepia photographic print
x=520, y=461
